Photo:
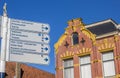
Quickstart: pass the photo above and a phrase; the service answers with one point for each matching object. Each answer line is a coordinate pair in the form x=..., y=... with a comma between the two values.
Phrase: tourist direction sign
x=20, y=47
x=29, y=36
x=29, y=26
x=28, y=42
x=30, y=58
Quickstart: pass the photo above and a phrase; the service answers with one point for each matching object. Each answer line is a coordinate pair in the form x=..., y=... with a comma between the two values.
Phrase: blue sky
x=57, y=12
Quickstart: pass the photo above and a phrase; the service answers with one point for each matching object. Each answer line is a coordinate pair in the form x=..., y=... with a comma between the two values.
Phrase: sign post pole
x=3, y=41
x=18, y=70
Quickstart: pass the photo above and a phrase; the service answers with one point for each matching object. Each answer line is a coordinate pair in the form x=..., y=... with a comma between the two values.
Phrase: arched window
x=75, y=38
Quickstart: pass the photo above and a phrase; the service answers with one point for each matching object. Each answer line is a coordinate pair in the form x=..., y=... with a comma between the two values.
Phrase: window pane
x=68, y=73
x=65, y=73
x=86, y=71
x=85, y=60
x=109, y=68
x=85, y=67
x=68, y=63
x=107, y=56
x=75, y=38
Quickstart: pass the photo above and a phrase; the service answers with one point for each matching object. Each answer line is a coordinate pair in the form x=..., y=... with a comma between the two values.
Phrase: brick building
x=89, y=51
x=26, y=71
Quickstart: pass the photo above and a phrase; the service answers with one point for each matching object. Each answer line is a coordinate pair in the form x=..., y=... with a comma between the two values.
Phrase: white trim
x=106, y=35
x=106, y=61
x=102, y=22
x=118, y=25
x=88, y=64
x=68, y=68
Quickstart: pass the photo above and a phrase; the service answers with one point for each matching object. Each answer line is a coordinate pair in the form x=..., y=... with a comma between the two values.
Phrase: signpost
x=29, y=26
x=3, y=31
x=23, y=41
x=28, y=42
x=37, y=37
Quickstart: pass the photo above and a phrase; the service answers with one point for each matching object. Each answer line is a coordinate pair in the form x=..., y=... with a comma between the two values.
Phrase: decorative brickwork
x=93, y=40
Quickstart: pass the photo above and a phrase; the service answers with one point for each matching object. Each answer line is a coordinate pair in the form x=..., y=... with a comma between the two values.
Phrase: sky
x=57, y=12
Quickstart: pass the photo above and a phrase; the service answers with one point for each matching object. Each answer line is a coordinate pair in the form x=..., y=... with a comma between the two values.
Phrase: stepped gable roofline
x=103, y=27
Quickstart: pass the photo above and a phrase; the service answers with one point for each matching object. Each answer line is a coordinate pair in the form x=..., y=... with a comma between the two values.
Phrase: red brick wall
x=29, y=72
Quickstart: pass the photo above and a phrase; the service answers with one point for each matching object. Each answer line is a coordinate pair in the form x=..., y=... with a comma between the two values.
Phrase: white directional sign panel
x=28, y=42
x=29, y=36
x=30, y=58
x=29, y=26
x=20, y=47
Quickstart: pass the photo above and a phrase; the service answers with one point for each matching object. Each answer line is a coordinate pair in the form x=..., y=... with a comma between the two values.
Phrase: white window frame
x=68, y=67
x=88, y=63
x=110, y=60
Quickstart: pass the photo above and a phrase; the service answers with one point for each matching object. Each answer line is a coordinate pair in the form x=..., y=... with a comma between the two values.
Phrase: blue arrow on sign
x=46, y=28
x=46, y=38
x=40, y=34
x=46, y=59
x=46, y=48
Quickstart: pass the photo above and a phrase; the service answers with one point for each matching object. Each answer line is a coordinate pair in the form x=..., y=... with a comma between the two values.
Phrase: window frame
x=108, y=60
x=89, y=63
x=68, y=66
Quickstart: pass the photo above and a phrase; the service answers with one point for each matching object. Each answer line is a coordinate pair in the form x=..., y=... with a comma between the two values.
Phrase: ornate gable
x=75, y=35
